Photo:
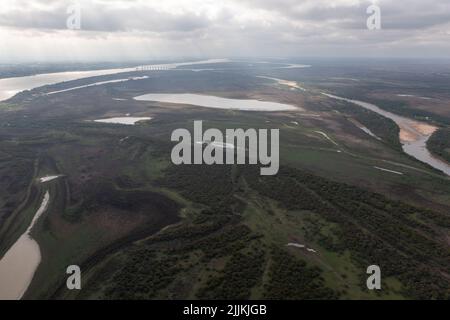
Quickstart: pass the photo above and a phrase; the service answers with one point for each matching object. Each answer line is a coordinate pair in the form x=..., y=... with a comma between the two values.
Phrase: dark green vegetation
x=241, y=273
x=141, y=228
x=219, y=253
x=439, y=143
x=409, y=243
x=292, y=279
x=213, y=254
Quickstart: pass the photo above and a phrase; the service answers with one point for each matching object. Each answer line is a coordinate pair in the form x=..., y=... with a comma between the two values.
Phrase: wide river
x=413, y=134
x=18, y=265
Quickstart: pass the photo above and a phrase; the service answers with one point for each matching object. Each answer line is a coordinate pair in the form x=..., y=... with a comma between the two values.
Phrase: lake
x=123, y=120
x=216, y=102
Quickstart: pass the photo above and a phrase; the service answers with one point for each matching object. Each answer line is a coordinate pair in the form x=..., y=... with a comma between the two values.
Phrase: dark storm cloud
x=100, y=16
x=103, y=18
x=236, y=27
x=396, y=14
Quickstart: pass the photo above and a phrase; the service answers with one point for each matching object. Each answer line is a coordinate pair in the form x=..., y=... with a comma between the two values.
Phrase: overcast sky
x=152, y=29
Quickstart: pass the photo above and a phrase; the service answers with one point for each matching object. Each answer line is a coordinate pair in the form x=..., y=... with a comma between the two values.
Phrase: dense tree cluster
x=407, y=242
x=439, y=143
x=210, y=185
x=142, y=276
x=104, y=194
x=241, y=273
x=404, y=240
x=292, y=279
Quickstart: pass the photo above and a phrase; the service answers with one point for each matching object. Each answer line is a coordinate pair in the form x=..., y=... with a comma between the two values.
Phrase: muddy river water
x=18, y=265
